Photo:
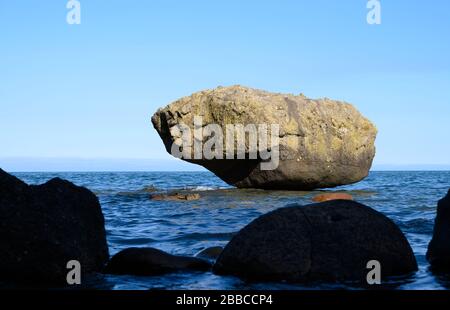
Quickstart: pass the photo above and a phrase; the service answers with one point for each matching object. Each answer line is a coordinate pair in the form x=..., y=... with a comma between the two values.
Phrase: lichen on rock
x=322, y=142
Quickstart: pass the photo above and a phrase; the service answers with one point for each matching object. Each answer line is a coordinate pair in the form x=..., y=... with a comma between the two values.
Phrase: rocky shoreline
x=331, y=241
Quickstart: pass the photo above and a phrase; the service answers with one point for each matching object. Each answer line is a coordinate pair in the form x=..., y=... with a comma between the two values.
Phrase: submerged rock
x=210, y=253
x=332, y=196
x=329, y=241
x=176, y=197
x=322, y=143
x=439, y=248
x=150, y=261
x=44, y=227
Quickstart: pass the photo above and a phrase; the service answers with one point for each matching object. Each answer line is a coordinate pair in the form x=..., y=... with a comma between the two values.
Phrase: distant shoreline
x=73, y=164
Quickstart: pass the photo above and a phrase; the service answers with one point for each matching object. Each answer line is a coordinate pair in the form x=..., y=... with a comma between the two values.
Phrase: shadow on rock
x=331, y=241
x=438, y=253
x=44, y=227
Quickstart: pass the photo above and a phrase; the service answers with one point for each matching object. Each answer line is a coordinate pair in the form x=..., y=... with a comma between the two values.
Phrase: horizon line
x=169, y=158
x=169, y=164
x=178, y=171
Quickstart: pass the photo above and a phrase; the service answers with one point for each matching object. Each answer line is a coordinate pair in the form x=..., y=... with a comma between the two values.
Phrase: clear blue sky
x=88, y=91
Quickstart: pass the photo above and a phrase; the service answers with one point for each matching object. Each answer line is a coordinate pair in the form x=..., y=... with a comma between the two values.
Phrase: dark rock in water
x=332, y=196
x=439, y=248
x=329, y=241
x=210, y=253
x=44, y=227
x=149, y=261
x=176, y=197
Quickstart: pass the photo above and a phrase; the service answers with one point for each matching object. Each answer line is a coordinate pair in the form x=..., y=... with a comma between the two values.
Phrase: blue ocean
x=187, y=227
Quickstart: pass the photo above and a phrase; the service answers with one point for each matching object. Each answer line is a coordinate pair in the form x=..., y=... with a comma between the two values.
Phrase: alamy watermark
x=235, y=141
x=74, y=275
x=374, y=275
x=73, y=16
x=374, y=14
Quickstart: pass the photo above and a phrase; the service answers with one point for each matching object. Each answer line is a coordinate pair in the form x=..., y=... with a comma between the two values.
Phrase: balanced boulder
x=320, y=142
x=150, y=261
x=329, y=241
x=44, y=227
x=439, y=248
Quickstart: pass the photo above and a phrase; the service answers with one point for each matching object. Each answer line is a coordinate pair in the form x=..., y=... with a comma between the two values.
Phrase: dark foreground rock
x=322, y=142
x=150, y=261
x=43, y=227
x=329, y=241
x=211, y=253
x=439, y=248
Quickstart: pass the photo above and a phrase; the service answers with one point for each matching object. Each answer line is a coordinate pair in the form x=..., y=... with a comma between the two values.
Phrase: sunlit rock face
x=320, y=142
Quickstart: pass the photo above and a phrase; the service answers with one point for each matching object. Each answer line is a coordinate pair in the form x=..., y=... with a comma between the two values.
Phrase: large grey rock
x=44, y=227
x=322, y=143
x=150, y=261
x=329, y=241
x=439, y=248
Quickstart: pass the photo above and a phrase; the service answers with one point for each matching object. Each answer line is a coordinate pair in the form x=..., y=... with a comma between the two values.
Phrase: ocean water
x=133, y=220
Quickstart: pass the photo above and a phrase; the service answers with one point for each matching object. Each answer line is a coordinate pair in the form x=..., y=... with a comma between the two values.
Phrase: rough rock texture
x=439, y=248
x=332, y=196
x=150, y=261
x=323, y=143
x=329, y=241
x=43, y=227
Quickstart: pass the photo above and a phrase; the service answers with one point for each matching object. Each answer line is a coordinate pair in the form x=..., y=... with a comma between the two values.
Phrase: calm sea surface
x=133, y=220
